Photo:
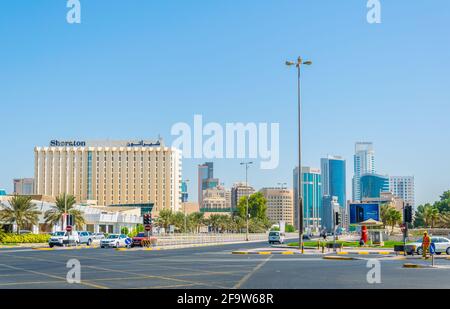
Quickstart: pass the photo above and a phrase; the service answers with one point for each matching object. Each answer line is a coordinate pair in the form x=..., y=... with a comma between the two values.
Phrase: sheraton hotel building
x=122, y=173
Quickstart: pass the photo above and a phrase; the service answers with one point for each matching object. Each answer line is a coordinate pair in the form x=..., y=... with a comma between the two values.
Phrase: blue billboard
x=363, y=212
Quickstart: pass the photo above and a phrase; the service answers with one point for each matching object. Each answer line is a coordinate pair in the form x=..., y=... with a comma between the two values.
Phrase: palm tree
x=393, y=217
x=383, y=213
x=21, y=211
x=214, y=222
x=197, y=219
x=64, y=204
x=165, y=218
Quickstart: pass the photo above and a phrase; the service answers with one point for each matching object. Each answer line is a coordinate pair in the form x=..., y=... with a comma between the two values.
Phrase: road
x=206, y=268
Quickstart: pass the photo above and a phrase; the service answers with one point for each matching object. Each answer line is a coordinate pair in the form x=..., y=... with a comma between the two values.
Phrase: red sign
x=148, y=227
x=69, y=228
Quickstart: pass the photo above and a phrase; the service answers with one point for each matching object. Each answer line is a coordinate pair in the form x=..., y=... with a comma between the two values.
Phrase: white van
x=276, y=237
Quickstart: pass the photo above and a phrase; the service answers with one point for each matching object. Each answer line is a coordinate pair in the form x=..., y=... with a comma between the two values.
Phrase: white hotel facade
x=111, y=172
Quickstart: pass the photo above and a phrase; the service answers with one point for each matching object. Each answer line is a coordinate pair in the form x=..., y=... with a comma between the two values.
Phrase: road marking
x=33, y=282
x=247, y=276
x=265, y=252
x=83, y=282
x=288, y=252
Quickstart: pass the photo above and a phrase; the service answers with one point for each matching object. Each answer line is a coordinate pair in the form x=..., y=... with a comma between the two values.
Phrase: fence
x=208, y=238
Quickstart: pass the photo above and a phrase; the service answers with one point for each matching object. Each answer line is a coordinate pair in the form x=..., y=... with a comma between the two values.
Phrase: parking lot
x=212, y=267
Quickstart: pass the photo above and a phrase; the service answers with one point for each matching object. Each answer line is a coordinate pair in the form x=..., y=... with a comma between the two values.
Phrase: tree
x=214, y=222
x=20, y=211
x=165, y=218
x=383, y=213
x=64, y=204
x=178, y=220
x=197, y=220
x=257, y=206
x=289, y=228
x=393, y=217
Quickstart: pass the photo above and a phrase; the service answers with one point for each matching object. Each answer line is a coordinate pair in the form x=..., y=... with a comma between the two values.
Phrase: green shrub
x=8, y=238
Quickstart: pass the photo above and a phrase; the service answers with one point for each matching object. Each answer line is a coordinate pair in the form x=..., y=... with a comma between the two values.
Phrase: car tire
x=438, y=253
x=419, y=251
x=447, y=251
x=51, y=246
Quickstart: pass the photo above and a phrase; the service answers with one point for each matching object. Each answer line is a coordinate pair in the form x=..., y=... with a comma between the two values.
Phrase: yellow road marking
x=265, y=252
x=288, y=252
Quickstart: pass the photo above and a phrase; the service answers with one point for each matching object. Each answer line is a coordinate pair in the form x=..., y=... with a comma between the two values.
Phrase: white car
x=275, y=236
x=115, y=241
x=62, y=238
x=442, y=245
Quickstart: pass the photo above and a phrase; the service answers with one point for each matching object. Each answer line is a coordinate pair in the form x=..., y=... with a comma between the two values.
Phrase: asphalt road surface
x=207, y=268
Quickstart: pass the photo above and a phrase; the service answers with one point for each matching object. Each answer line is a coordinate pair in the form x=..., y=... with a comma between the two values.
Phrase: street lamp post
x=184, y=202
x=298, y=65
x=247, y=164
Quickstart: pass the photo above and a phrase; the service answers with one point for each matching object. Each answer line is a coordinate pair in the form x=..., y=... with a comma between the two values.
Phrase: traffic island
x=411, y=265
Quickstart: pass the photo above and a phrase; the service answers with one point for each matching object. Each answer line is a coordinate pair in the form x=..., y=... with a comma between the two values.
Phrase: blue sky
x=132, y=69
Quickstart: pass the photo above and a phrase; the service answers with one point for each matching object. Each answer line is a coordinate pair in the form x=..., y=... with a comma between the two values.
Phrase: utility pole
x=298, y=65
x=247, y=164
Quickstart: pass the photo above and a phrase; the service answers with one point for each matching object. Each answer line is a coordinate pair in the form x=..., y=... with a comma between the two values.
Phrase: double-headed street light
x=247, y=164
x=298, y=65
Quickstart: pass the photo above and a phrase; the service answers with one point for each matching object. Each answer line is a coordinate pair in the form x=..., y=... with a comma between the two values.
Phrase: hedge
x=8, y=238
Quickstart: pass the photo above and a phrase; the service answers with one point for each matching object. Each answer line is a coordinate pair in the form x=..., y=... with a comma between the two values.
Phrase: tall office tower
x=215, y=200
x=372, y=185
x=111, y=172
x=239, y=190
x=23, y=186
x=403, y=187
x=334, y=178
x=364, y=163
x=312, y=197
x=280, y=204
x=206, y=179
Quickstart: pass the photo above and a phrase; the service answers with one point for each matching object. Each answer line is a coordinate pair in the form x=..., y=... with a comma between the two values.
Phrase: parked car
x=276, y=237
x=98, y=236
x=85, y=238
x=62, y=238
x=442, y=246
x=137, y=240
x=115, y=241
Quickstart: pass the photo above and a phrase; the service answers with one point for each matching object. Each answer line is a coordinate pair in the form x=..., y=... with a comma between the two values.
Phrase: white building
x=403, y=187
x=364, y=163
x=111, y=172
x=280, y=204
x=97, y=218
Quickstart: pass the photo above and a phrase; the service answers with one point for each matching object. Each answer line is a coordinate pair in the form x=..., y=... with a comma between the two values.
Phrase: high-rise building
x=312, y=197
x=239, y=190
x=23, y=186
x=403, y=187
x=372, y=185
x=334, y=178
x=111, y=172
x=215, y=200
x=206, y=179
x=280, y=205
x=364, y=163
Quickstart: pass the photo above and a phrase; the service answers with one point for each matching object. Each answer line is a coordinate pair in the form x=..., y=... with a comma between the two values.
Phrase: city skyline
x=101, y=84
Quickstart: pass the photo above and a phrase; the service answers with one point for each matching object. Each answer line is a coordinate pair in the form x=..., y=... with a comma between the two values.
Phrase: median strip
x=342, y=258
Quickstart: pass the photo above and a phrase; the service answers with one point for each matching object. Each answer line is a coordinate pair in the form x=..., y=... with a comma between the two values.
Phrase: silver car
x=442, y=245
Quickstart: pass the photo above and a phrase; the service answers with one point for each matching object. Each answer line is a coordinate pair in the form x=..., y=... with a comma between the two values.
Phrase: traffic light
x=337, y=218
x=147, y=219
x=407, y=215
x=70, y=220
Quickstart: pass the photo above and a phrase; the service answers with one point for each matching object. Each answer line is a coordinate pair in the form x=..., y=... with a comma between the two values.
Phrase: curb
x=266, y=252
x=366, y=253
x=411, y=265
x=43, y=249
x=342, y=258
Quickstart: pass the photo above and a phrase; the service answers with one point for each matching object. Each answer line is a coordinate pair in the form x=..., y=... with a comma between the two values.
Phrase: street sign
x=128, y=241
x=69, y=228
x=148, y=227
x=432, y=248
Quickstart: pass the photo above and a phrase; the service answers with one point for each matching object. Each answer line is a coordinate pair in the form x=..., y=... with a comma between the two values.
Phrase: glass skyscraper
x=312, y=197
x=364, y=163
x=334, y=178
x=373, y=184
